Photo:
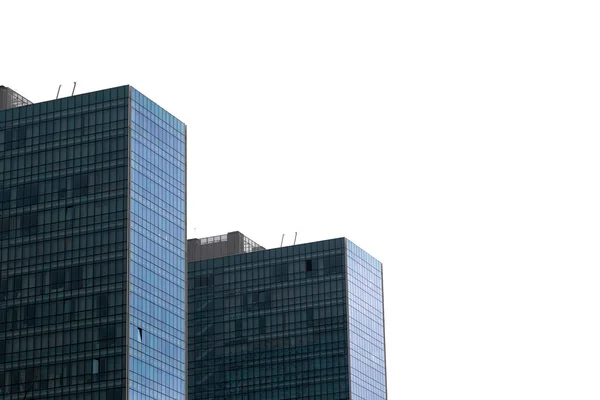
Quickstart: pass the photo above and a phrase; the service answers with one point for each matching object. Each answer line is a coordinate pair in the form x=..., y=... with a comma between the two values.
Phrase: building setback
x=92, y=248
x=298, y=322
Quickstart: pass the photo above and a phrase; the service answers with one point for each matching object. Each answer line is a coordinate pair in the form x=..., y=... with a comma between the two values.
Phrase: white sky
x=456, y=141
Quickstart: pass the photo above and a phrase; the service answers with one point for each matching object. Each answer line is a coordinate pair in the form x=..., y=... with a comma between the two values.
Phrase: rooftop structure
x=220, y=246
x=11, y=99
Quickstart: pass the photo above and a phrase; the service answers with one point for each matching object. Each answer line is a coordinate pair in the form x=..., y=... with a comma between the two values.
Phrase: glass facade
x=273, y=324
x=367, y=337
x=157, y=268
x=63, y=269
x=65, y=234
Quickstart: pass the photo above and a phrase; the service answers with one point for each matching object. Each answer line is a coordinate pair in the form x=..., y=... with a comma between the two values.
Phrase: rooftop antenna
x=282, y=236
x=74, y=84
x=57, y=93
x=295, y=236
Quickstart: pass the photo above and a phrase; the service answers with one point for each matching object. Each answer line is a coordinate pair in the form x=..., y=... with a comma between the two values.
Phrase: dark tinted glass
x=63, y=199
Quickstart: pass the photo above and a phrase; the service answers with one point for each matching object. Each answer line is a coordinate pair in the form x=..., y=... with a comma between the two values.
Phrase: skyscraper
x=92, y=248
x=298, y=322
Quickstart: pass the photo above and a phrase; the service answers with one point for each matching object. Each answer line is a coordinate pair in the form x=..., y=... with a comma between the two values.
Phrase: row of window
x=63, y=345
x=116, y=129
x=43, y=379
x=56, y=123
x=73, y=211
x=29, y=254
x=31, y=224
x=94, y=156
x=32, y=315
x=287, y=336
x=62, y=188
x=239, y=296
x=312, y=362
x=59, y=260
x=82, y=154
x=51, y=131
x=330, y=388
x=247, y=381
x=75, y=246
x=77, y=142
x=56, y=288
x=79, y=388
x=77, y=185
x=268, y=324
x=283, y=254
x=42, y=136
x=79, y=393
x=82, y=184
x=73, y=316
x=69, y=230
x=279, y=272
x=66, y=318
x=319, y=366
x=269, y=300
x=57, y=279
x=49, y=171
x=329, y=334
x=25, y=226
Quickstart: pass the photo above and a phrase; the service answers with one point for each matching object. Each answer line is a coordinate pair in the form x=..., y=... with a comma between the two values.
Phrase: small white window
x=95, y=366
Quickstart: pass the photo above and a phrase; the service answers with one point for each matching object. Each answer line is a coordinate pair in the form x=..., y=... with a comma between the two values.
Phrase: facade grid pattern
x=157, y=266
x=270, y=324
x=367, y=337
x=64, y=210
x=92, y=236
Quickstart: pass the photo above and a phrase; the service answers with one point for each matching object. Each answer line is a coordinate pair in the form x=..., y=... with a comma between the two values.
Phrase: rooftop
x=220, y=245
x=11, y=99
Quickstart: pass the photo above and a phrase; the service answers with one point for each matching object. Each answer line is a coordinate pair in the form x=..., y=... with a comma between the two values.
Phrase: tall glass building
x=298, y=322
x=92, y=249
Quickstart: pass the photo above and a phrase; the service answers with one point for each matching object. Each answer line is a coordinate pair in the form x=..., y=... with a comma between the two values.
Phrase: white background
x=456, y=141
